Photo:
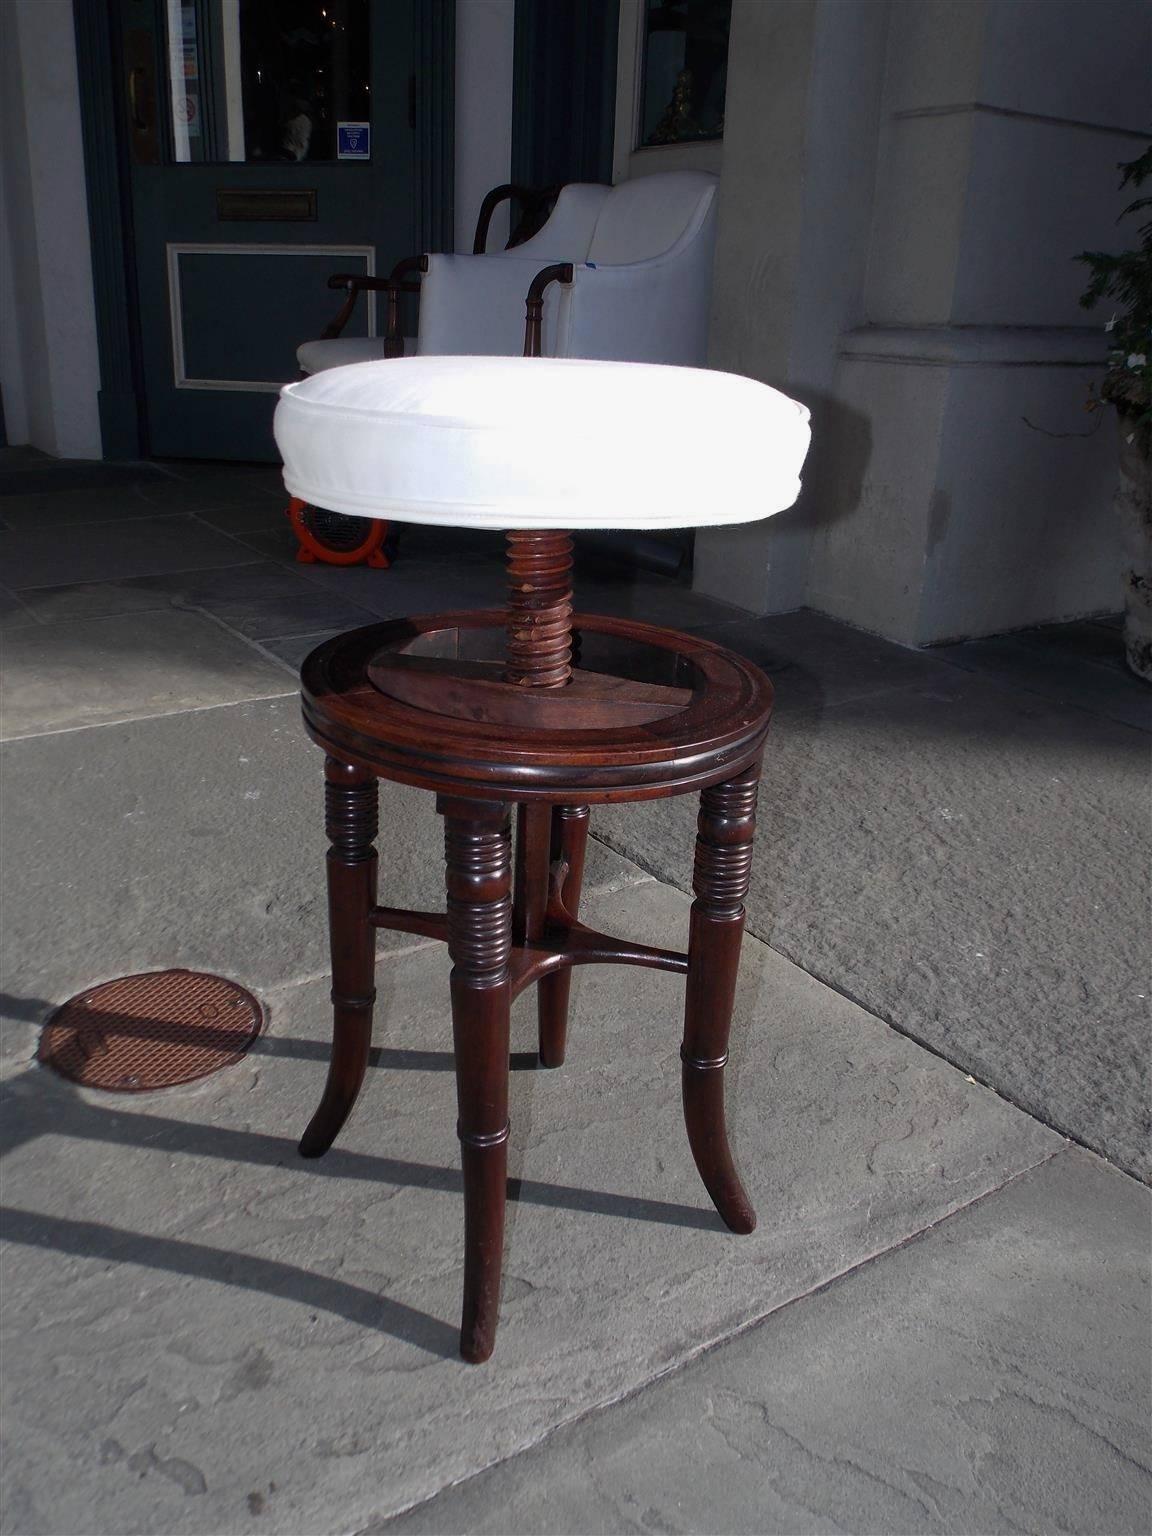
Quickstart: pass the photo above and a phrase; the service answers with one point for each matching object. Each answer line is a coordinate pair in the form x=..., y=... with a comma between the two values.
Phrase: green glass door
x=272, y=143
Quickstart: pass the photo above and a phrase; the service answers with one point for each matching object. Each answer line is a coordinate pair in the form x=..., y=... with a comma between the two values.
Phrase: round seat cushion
x=316, y=356
x=511, y=442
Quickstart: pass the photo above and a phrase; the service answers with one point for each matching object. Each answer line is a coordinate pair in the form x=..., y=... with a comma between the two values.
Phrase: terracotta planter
x=1134, y=503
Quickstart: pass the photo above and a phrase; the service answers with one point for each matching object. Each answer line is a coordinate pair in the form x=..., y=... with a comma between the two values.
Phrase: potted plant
x=1126, y=280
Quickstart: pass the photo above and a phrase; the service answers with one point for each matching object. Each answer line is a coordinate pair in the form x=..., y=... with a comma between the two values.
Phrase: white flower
x=1137, y=360
x=1111, y=326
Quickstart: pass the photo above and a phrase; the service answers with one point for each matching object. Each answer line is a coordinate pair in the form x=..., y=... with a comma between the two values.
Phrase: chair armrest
x=397, y=282
x=400, y=280
x=475, y=304
x=354, y=283
x=558, y=272
x=653, y=311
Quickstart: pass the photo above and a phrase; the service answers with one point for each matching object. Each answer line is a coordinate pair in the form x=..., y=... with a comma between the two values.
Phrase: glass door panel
x=280, y=81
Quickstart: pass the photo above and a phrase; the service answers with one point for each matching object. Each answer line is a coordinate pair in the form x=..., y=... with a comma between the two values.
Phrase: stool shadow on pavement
x=39, y=1104
x=96, y=1240
x=82, y=1121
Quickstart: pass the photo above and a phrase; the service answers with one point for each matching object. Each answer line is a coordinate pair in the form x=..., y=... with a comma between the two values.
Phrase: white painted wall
x=485, y=32
x=49, y=363
x=985, y=501
x=11, y=349
x=796, y=195
x=905, y=185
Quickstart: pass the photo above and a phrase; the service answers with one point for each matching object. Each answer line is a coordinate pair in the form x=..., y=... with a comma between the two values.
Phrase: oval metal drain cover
x=150, y=1031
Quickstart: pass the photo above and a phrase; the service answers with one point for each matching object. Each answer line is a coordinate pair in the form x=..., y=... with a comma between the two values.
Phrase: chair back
x=567, y=235
x=475, y=304
x=645, y=217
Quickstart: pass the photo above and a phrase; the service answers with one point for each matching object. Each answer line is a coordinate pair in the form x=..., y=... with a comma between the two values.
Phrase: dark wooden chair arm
x=357, y=280
x=533, y=201
x=558, y=272
x=356, y=283
x=401, y=280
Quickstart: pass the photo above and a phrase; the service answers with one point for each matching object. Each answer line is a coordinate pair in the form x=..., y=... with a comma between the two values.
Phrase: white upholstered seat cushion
x=503, y=442
x=315, y=356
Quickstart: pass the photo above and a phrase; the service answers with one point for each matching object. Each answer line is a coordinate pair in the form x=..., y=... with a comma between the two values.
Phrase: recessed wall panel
x=240, y=311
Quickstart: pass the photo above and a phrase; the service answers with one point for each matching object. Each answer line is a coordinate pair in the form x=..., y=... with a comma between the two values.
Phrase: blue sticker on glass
x=353, y=141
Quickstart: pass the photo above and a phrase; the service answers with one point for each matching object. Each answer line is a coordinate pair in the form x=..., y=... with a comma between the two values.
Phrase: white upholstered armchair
x=620, y=273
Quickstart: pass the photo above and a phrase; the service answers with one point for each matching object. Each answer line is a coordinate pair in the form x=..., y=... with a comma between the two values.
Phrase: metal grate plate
x=335, y=530
x=151, y=1031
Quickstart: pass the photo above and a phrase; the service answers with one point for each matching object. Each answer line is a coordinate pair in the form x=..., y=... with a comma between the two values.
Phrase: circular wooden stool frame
x=515, y=724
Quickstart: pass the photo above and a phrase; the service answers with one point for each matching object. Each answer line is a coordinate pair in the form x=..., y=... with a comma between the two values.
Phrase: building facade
x=904, y=186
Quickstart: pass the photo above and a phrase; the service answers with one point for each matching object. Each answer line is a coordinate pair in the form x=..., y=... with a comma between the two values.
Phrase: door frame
x=107, y=176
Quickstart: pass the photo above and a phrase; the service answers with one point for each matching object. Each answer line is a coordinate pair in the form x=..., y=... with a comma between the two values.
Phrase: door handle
x=140, y=83
x=136, y=78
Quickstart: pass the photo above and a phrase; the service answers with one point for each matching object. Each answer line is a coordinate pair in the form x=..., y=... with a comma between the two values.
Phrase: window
x=271, y=80
x=685, y=71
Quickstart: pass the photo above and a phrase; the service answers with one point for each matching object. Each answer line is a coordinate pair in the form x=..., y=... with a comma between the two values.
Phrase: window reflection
x=269, y=80
x=685, y=70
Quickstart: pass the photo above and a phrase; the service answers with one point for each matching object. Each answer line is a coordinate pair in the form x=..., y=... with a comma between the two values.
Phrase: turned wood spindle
x=568, y=845
x=477, y=847
x=720, y=875
x=351, y=819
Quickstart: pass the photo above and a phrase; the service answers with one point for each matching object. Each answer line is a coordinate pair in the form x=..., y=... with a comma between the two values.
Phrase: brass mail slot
x=265, y=206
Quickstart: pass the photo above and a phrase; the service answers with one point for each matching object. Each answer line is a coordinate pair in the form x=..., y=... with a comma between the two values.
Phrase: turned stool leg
x=720, y=877
x=477, y=844
x=569, y=842
x=350, y=819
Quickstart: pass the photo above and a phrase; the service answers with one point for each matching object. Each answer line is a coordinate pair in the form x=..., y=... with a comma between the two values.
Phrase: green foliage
x=1125, y=279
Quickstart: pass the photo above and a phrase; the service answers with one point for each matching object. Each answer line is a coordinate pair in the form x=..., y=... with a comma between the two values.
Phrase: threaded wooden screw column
x=538, y=652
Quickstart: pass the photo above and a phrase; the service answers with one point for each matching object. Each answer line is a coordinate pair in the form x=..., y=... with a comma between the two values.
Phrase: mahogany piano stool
x=535, y=707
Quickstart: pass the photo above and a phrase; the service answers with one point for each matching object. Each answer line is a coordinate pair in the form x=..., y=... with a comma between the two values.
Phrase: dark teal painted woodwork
x=98, y=70
x=398, y=202
x=234, y=317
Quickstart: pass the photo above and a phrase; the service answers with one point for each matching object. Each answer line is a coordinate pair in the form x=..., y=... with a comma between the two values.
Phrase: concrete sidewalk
x=963, y=1381
x=941, y=1323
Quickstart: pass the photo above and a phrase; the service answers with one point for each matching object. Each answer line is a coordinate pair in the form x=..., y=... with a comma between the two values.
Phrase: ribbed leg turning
x=477, y=843
x=725, y=829
x=350, y=819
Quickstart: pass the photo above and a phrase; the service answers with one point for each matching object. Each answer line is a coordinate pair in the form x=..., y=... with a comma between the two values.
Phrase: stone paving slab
x=972, y=863
x=292, y=649
x=259, y=600
x=991, y=1376
x=420, y=583
x=94, y=672
x=815, y=662
x=193, y=840
x=28, y=475
x=1104, y=686
x=208, y=1335
x=157, y=495
x=1092, y=642
x=47, y=556
x=260, y=514
x=13, y=613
